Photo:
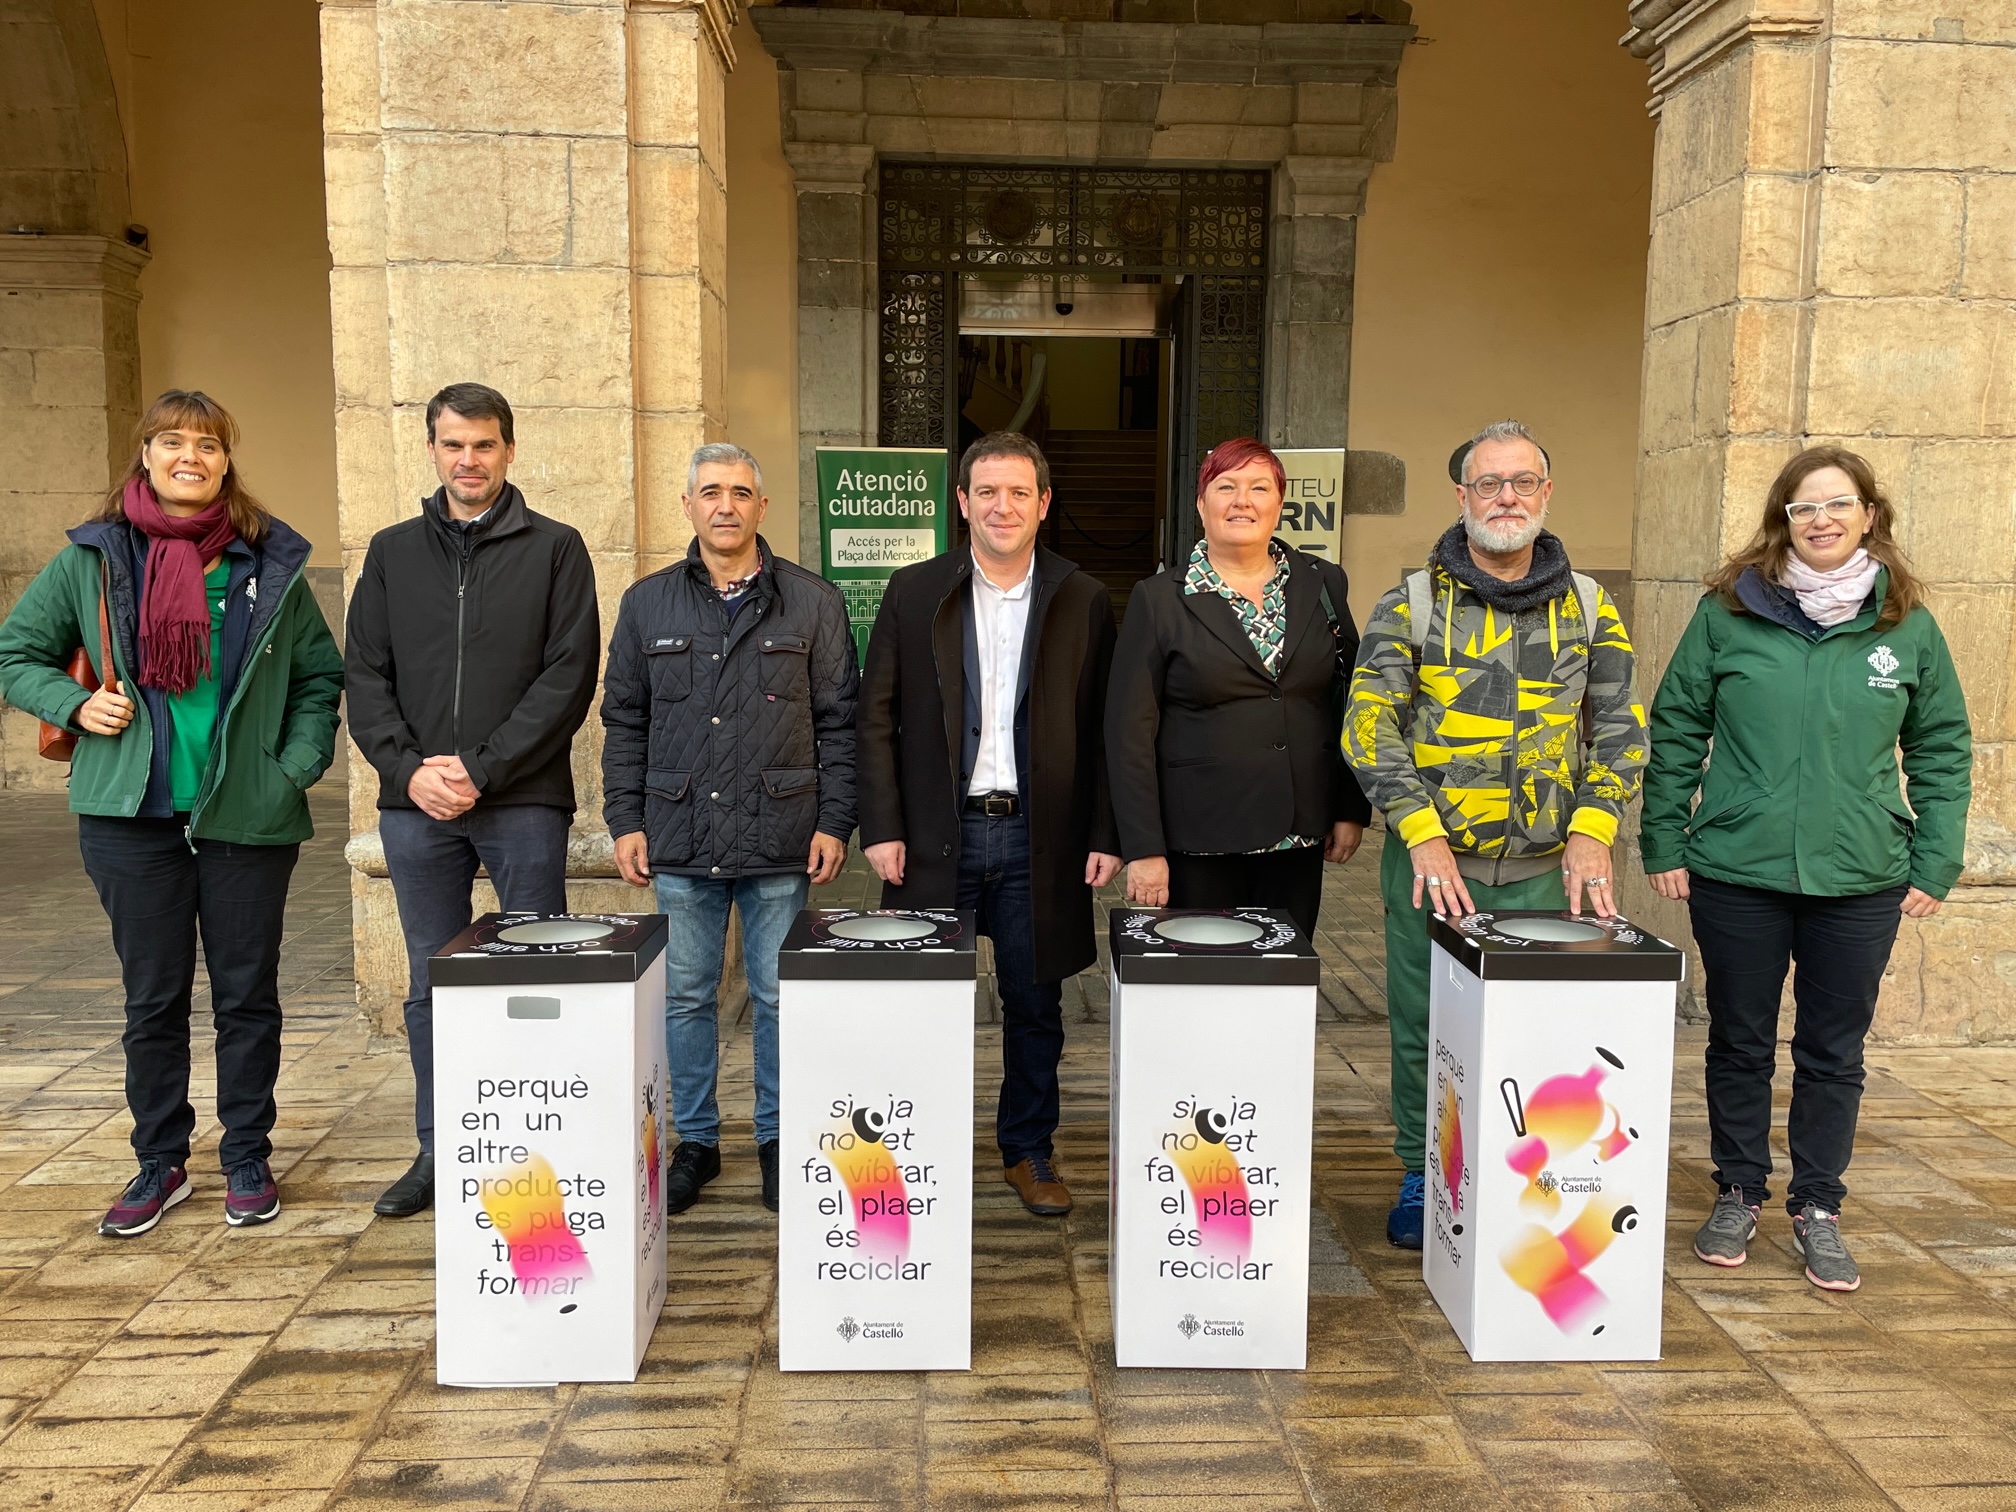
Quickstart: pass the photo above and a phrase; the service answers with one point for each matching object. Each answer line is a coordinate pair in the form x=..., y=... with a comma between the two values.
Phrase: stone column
x=70, y=387
x=1831, y=261
x=528, y=195
x=837, y=305
x=1314, y=236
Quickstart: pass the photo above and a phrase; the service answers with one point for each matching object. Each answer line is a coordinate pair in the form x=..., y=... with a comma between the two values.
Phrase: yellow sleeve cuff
x=1420, y=825
x=1598, y=824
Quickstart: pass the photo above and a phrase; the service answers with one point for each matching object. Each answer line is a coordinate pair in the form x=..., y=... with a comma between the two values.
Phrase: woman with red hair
x=1223, y=724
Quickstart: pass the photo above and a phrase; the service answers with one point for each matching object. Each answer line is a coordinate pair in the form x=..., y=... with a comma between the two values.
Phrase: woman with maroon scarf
x=189, y=776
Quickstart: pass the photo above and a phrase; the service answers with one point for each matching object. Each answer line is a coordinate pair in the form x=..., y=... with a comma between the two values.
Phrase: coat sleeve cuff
x=478, y=773
x=1598, y=824
x=1422, y=824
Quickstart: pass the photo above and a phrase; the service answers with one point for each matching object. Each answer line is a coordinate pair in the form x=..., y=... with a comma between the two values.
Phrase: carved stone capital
x=1321, y=185
x=717, y=21
x=1679, y=38
x=99, y=264
x=831, y=167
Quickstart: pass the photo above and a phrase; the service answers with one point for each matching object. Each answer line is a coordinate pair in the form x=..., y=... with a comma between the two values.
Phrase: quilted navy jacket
x=729, y=730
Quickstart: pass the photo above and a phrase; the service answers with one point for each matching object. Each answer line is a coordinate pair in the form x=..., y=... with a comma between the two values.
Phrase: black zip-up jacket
x=480, y=643
x=728, y=737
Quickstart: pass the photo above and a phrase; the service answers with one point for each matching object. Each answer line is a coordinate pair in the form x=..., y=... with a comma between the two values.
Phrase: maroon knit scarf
x=174, y=612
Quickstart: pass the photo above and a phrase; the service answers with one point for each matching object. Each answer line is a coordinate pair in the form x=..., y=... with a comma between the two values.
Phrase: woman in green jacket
x=1810, y=665
x=218, y=711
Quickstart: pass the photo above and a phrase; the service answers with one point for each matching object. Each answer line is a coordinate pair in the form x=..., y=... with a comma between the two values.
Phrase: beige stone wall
x=762, y=286
x=529, y=195
x=69, y=369
x=1501, y=271
x=228, y=183
x=1832, y=227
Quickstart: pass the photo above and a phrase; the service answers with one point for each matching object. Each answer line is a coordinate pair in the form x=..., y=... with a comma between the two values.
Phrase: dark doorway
x=1198, y=236
x=1098, y=406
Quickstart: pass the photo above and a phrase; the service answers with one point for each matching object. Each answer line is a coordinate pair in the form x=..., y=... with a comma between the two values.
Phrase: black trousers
x=1289, y=881
x=1840, y=946
x=161, y=896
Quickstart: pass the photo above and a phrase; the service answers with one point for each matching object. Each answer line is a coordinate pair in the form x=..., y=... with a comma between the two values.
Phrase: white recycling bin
x=875, y=1127
x=1550, y=1079
x=549, y=1147
x=1213, y=1044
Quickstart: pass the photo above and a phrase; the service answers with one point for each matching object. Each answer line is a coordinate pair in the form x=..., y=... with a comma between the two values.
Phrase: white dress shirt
x=1000, y=621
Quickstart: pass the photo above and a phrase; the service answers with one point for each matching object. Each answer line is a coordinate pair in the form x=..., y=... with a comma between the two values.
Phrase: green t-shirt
x=192, y=716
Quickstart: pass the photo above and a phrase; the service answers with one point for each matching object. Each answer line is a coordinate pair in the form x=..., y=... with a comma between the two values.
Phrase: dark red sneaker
x=156, y=1189
x=250, y=1195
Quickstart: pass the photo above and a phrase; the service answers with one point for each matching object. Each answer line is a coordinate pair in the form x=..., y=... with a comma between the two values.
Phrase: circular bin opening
x=1203, y=930
x=555, y=932
x=1552, y=931
x=883, y=927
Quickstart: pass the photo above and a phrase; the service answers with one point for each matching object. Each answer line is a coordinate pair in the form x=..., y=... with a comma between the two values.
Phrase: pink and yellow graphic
x=654, y=1168
x=1551, y=1265
x=1563, y=1114
x=1449, y=1146
x=525, y=1206
x=1217, y=1185
x=874, y=1182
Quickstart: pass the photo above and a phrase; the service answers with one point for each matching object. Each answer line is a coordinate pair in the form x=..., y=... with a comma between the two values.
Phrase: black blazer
x=1210, y=755
x=910, y=736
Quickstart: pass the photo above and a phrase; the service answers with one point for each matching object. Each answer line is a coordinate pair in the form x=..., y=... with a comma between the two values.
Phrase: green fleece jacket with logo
x=1807, y=723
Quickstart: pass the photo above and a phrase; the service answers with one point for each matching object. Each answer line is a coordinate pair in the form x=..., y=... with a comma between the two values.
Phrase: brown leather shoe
x=1037, y=1183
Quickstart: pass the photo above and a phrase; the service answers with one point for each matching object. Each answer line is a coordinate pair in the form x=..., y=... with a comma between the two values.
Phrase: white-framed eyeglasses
x=1805, y=512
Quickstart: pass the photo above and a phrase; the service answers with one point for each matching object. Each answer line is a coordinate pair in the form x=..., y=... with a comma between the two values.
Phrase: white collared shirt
x=1000, y=621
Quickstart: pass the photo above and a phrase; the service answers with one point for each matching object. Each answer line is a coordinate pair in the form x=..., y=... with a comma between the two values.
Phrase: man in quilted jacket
x=728, y=778
x=1494, y=717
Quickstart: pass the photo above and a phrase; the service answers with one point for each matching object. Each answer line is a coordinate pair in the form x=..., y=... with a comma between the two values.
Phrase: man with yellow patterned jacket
x=1494, y=718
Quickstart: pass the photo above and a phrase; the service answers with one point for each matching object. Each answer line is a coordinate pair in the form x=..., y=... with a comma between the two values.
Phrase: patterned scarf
x=1265, y=623
x=174, y=611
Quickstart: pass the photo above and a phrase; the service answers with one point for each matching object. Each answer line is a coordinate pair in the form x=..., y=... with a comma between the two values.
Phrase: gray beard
x=1502, y=541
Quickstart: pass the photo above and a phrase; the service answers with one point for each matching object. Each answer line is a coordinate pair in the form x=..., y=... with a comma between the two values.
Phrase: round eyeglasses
x=1806, y=512
x=1525, y=484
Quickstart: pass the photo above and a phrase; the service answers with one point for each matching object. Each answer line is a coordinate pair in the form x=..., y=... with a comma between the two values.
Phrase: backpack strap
x=1420, y=609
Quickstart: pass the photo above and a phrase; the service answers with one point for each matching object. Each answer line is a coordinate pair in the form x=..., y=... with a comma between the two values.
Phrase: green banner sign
x=880, y=508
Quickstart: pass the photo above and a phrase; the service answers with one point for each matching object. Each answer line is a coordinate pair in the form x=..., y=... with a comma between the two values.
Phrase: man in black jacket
x=469, y=664
x=727, y=777
x=983, y=777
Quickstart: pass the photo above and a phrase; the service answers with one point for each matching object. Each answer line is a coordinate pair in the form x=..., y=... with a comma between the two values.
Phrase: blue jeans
x=433, y=865
x=994, y=884
x=696, y=924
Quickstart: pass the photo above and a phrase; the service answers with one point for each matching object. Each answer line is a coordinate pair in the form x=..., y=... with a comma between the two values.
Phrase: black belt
x=994, y=805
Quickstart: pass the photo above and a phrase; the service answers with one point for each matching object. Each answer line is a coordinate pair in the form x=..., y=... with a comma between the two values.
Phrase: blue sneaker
x=1403, y=1224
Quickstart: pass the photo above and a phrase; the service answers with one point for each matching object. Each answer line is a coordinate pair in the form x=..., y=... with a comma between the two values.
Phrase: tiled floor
x=291, y=1368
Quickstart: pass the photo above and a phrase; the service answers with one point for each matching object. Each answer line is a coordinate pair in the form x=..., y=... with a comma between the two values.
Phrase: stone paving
x=291, y=1367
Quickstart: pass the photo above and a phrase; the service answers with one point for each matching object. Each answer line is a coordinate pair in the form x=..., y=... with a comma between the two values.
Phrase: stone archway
x=69, y=303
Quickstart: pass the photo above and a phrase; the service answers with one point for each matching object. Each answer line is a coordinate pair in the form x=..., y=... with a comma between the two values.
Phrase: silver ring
x=1599, y=881
x=1434, y=881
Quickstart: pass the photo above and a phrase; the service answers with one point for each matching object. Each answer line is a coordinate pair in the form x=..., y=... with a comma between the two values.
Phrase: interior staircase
x=1102, y=509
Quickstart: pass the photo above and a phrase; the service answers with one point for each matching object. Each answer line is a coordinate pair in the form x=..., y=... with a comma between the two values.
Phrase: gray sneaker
x=1725, y=1238
x=1828, y=1263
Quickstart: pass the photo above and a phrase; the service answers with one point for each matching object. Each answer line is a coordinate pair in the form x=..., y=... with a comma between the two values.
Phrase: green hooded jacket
x=274, y=738
x=1801, y=794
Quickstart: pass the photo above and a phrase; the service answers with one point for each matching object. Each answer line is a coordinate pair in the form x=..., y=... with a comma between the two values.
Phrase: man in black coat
x=727, y=778
x=469, y=663
x=983, y=775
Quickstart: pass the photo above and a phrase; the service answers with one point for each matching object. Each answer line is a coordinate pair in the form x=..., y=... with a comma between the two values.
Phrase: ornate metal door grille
x=939, y=220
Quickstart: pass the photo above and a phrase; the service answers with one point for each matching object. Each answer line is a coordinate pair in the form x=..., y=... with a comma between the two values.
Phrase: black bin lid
x=879, y=945
x=1528, y=945
x=1211, y=947
x=527, y=949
